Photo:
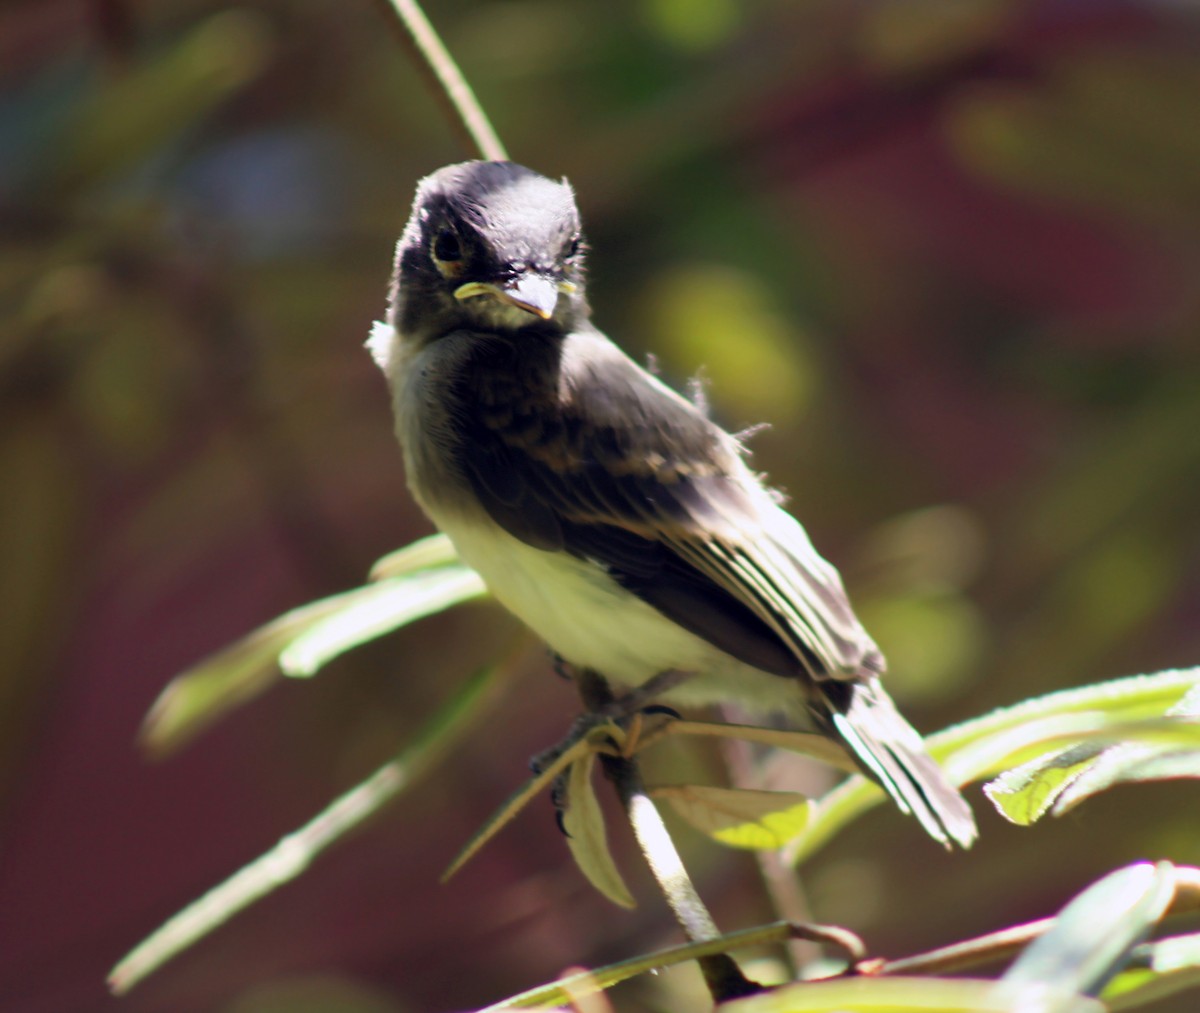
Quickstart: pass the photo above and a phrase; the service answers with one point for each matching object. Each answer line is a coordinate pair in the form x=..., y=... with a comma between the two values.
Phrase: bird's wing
x=572, y=447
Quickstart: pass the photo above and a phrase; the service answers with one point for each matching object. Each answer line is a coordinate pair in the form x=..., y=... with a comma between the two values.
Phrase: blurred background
x=949, y=251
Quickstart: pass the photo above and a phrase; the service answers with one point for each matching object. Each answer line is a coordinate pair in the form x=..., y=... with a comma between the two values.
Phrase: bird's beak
x=532, y=293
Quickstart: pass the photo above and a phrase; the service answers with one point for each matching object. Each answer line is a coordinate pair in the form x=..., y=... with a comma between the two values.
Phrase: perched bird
x=606, y=511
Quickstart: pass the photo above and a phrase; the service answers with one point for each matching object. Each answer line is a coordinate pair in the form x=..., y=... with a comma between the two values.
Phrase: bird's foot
x=622, y=719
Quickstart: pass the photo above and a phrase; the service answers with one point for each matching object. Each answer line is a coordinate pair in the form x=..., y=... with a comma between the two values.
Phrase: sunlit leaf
x=904, y=995
x=583, y=821
x=416, y=581
x=1024, y=794
x=391, y=603
x=1093, y=936
x=741, y=818
x=987, y=745
x=295, y=852
x=424, y=553
x=231, y=677
x=1162, y=968
x=1057, y=782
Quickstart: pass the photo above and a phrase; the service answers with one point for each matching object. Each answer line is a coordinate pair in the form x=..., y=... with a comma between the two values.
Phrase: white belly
x=592, y=622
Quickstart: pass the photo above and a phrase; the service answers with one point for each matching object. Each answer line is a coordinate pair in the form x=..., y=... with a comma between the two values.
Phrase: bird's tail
x=893, y=754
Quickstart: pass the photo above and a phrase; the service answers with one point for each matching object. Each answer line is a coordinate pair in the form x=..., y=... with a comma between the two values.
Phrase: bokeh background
x=949, y=251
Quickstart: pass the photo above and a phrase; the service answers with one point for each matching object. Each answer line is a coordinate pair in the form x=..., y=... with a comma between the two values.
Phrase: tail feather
x=893, y=754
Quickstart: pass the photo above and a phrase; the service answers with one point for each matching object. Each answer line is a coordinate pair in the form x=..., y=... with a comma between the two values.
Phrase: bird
x=604, y=509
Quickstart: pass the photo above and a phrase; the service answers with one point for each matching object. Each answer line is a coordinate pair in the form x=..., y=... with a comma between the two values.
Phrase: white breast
x=572, y=604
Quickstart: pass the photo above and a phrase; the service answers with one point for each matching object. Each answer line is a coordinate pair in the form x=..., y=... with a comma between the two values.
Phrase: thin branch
x=721, y=973
x=434, y=60
x=295, y=852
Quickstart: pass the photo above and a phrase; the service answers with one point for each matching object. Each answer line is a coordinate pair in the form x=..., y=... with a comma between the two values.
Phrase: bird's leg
x=626, y=713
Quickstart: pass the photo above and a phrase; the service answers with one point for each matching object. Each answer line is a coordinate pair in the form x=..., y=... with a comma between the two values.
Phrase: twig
x=721, y=973
x=449, y=85
x=986, y=949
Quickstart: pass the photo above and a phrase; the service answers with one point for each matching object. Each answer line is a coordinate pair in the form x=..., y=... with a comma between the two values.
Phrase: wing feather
x=572, y=447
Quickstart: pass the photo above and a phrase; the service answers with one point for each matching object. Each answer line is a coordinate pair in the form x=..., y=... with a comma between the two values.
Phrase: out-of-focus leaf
x=39, y=517
x=1102, y=132
x=294, y=853
x=1010, y=736
x=1094, y=935
x=233, y=676
x=303, y=640
x=1175, y=953
x=767, y=371
x=910, y=36
x=393, y=603
x=434, y=550
x=903, y=995
x=583, y=821
x=1163, y=967
x=741, y=818
x=161, y=98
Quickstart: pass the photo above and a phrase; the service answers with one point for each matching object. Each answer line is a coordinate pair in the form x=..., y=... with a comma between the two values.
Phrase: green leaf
x=422, y=579
x=583, y=821
x=295, y=852
x=1058, y=781
x=1024, y=794
x=229, y=678
x=1094, y=935
x=904, y=995
x=391, y=603
x=1013, y=735
x=423, y=554
x=584, y=983
x=1164, y=967
x=740, y=818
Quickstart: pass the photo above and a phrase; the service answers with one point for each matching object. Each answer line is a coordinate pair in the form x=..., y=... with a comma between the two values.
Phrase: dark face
x=490, y=246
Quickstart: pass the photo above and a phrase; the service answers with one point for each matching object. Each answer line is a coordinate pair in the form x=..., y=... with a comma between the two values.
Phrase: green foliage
x=1127, y=730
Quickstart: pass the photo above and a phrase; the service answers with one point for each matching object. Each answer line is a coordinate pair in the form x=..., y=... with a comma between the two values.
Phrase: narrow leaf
x=231, y=677
x=306, y=638
x=1056, y=781
x=391, y=603
x=583, y=821
x=968, y=751
x=740, y=818
x=515, y=803
x=1024, y=794
x=906, y=995
x=423, y=554
x=294, y=853
x=1093, y=936
x=577, y=986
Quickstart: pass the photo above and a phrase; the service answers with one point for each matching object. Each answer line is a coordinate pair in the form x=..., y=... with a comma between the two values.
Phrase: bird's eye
x=574, y=246
x=446, y=247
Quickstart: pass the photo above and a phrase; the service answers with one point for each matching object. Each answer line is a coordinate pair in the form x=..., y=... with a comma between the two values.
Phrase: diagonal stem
x=721, y=973
x=449, y=84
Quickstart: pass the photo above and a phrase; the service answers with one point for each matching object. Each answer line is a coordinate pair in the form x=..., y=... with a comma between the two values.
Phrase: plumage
x=602, y=508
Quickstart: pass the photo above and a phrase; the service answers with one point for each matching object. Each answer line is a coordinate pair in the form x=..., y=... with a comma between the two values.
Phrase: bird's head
x=490, y=246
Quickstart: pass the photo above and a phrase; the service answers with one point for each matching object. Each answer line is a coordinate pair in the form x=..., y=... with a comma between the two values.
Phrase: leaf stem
x=721, y=973
x=434, y=60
